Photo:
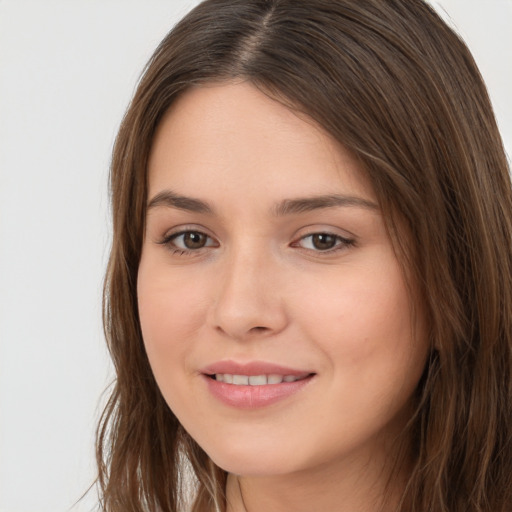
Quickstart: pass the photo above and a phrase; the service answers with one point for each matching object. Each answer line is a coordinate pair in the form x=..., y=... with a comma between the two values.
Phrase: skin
x=262, y=288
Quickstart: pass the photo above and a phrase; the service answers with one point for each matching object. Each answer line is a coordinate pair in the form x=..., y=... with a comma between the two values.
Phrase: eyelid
x=176, y=236
x=170, y=235
x=185, y=228
x=342, y=241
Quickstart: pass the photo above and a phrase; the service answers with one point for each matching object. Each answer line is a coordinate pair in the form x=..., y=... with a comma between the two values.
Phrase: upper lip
x=252, y=368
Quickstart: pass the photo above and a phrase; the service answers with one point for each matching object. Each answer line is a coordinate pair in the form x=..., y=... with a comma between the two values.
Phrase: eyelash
x=341, y=243
x=168, y=241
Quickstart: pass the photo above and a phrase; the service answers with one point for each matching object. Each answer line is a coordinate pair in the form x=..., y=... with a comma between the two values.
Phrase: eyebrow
x=170, y=199
x=307, y=204
x=173, y=200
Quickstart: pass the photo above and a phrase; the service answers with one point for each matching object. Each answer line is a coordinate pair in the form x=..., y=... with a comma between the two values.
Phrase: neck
x=341, y=489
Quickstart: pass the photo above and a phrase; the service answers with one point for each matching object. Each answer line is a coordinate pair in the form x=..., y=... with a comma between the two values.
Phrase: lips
x=255, y=384
x=252, y=368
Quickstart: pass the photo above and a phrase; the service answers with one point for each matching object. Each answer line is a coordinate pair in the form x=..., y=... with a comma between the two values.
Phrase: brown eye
x=191, y=240
x=323, y=241
x=194, y=240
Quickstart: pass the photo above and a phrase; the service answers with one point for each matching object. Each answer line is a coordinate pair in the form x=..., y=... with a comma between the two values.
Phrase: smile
x=255, y=380
x=255, y=384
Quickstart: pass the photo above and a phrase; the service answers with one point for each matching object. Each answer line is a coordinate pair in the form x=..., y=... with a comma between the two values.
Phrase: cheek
x=362, y=320
x=171, y=311
x=362, y=323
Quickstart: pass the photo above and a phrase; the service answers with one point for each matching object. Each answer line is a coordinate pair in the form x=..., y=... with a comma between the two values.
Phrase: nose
x=248, y=302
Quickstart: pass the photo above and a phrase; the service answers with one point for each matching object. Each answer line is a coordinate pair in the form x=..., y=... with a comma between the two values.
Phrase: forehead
x=234, y=134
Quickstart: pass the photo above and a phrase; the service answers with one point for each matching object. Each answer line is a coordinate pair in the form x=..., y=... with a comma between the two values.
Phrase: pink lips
x=249, y=396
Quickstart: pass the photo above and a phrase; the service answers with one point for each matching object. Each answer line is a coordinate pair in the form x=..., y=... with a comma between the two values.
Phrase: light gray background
x=67, y=71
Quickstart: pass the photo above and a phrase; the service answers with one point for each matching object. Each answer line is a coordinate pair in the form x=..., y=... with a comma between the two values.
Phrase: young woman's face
x=266, y=265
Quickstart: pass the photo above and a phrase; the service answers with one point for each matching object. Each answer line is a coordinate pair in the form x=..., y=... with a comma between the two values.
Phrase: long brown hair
x=391, y=82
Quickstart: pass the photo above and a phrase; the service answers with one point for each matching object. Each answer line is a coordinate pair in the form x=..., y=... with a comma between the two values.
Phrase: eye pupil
x=194, y=240
x=323, y=241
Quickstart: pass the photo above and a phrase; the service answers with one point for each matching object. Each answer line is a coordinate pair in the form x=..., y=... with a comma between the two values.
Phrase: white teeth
x=241, y=380
x=257, y=380
x=254, y=380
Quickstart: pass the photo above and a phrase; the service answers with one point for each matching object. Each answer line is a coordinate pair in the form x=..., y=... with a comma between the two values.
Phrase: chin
x=254, y=460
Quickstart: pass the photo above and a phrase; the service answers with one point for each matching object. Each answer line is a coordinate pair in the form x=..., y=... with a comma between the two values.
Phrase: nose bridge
x=247, y=299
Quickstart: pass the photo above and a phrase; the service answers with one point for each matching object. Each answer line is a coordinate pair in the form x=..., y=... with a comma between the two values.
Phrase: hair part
x=395, y=86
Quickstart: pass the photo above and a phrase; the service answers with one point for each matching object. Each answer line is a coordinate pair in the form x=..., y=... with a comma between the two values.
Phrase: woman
x=308, y=300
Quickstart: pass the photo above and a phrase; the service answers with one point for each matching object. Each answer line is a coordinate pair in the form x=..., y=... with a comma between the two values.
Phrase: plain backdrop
x=67, y=71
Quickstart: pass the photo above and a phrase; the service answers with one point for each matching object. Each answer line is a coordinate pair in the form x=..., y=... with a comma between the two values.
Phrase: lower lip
x=252, y=397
